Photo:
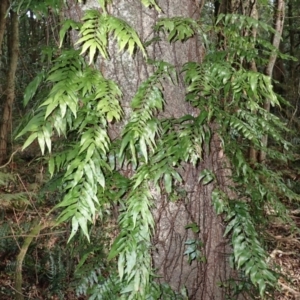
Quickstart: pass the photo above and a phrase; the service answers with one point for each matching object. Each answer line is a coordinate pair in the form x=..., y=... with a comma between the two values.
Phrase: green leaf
x=137, y=281
x=30, y=139
x=66, y=27
x=32, y=87
x=50, y=107
x=168, y=183
x=253, y=81
x=261, y=286
x=47, y=130
x=131, y=259
x=51, y=166
x=243, y=258
x=218, y=202
x=41, y=141
x=89, y=173
x=117, y=247
x=125, y=35
x=148, y=3
x=75, y=225
x=121, y=264
x=206, y=176
x=33, y=125
x=195, y=228
x=143, y=147
x=82, y=221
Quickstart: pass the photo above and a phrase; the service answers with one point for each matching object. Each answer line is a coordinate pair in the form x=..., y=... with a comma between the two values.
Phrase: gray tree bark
x=279, y=12
x=5, y=124
x=203, y=280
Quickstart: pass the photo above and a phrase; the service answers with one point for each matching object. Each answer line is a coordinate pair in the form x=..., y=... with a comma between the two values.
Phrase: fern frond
x=98, y=27
x=150, y=3
x=249, y=254
x=178, y=28
x=134, y=241
x=143, y=128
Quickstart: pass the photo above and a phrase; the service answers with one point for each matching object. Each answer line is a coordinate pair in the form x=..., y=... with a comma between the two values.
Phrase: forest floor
x=284, y=242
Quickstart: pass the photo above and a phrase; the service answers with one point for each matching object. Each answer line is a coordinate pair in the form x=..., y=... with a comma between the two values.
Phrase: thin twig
x=30, y=199
x=10, y=159
x=28, y=235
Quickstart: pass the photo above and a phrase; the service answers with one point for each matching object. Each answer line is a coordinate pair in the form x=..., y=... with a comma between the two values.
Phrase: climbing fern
x=82, y=105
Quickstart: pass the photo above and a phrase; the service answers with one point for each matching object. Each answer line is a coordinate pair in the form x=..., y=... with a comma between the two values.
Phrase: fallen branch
x=289, y=239
x=290, y=290
x=276, y=251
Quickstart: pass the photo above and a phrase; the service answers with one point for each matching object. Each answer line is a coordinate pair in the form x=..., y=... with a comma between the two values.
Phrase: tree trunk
x=3, y=10
x=203, y=279
x=5, y=126
x=278, y=26
x=292, y=40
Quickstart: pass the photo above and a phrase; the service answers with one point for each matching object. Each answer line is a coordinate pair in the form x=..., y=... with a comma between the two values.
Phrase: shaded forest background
x=37, y=261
